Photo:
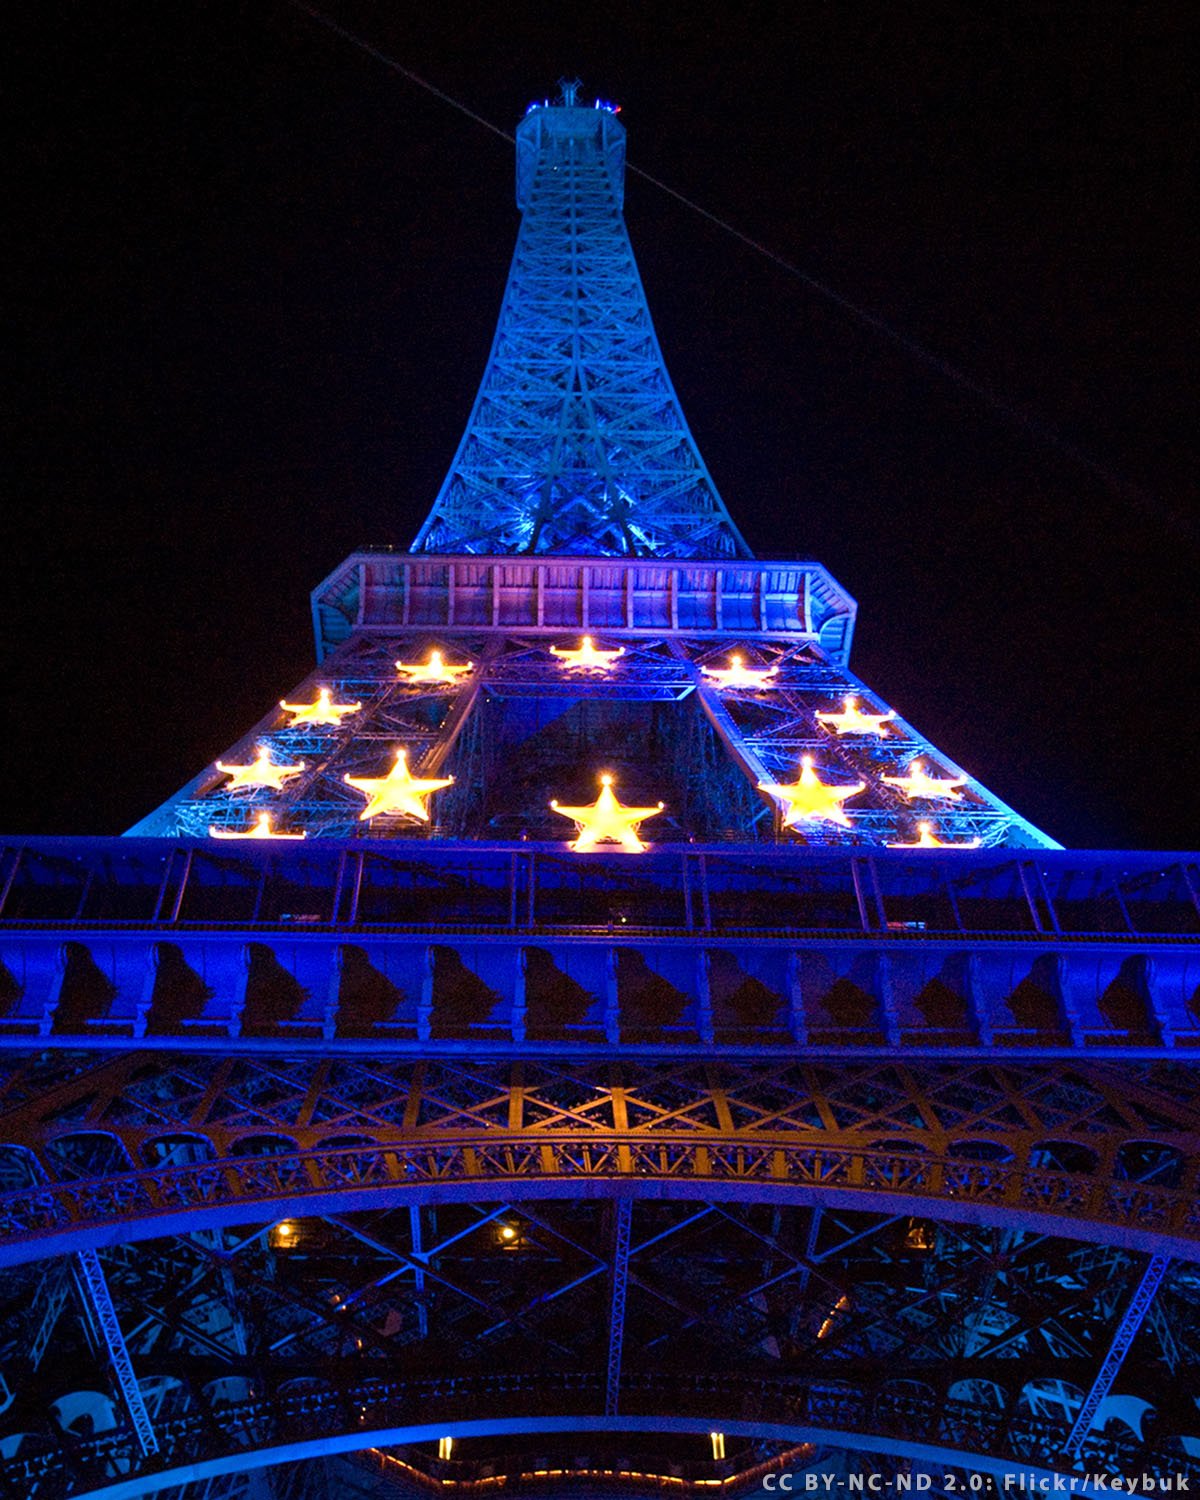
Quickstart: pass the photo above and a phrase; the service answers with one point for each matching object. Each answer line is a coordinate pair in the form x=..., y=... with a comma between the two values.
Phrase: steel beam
x=103, y=1316
x=623, y=1221
x=1126, y=1331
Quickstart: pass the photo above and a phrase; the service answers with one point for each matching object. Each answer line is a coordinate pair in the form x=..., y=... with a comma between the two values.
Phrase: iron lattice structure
x=433, y=1155
x=577, y=442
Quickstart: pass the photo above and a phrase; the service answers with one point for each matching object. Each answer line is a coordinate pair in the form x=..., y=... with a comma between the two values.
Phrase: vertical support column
x=54, y=991
x=977, y=1002
x=1065, y=981
x=518, y=999
x=885, y=999
x=1157, y=1012
x=1131, y=1320
x=418, y=1255
x=616, y=1311
x=103, y=1317
x=48, y=1303
x=360, y=617
x=704, y=996
x=797, y=1020
x=425, y=1001
x=612, y=999
x=145, y=999
x=333, y=993
x=241, y=985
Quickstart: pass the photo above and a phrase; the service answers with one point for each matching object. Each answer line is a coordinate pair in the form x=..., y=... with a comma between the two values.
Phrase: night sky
x=256, y=280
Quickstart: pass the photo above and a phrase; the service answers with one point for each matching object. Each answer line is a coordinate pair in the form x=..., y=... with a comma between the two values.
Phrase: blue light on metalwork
x=540, y=468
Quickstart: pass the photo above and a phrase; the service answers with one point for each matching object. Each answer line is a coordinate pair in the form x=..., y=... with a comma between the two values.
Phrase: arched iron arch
x=382, y=1437
x=59, y=1216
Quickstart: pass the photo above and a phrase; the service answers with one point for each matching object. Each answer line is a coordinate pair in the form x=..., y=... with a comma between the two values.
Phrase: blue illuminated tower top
x=580, y=606
x=577, y=442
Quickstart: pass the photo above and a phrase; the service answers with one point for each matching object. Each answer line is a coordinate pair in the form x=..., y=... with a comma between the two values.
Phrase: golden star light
x=586, y=656
x=436, y=669
x=927, y=839
x=852, y=720
x=606, y=821
x=918, y=783
x=738, y=675
x=259, y=829
x=323, y=711
x=397, y=792
x=812, y=799
x=262, y=771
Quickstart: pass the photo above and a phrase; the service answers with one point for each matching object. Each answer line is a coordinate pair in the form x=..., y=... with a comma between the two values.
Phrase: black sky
x=257, y=275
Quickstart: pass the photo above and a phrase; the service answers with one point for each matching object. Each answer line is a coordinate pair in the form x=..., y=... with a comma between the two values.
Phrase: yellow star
x=323, y=711
x=811, y=798
x=852, y=720
x=262, y=771
x=926, y=839
x=587, y=656
x=738, y=675
x=397, y=792
x=259, y=829
x=607, y=822
x=434, y=670
x=918, y=783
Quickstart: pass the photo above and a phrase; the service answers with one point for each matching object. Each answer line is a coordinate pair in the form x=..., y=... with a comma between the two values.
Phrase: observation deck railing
x=435, y=885
x=1057, y=952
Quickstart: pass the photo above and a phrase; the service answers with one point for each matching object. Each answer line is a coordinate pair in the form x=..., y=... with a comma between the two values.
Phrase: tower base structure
x=323, y=1159
x=802, y=1119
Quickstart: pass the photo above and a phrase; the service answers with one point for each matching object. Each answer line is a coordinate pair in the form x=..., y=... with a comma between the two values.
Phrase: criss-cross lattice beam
x=622, y=1227
x=1126, y=1331
x=577, y=442
x=99, y=1303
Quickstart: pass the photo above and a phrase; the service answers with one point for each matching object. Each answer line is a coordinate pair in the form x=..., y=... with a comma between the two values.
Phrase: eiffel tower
x=581, y=1039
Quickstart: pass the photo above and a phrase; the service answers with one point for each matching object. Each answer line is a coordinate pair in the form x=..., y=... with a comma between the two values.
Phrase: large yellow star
x=262, y=771
x=852, y=720
x=811, y=798
x=259, y=829
x=738, y=675
x=607, y=822
x=323, y=711
x=918, y=783
x=927, y=839
x=587, y=656
x=436, y=669
x=397, y=792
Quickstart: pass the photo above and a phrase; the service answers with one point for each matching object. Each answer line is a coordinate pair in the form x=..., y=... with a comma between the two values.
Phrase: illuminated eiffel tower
x=582, y=1037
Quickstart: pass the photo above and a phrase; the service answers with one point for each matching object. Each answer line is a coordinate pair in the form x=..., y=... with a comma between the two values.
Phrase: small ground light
x=445, y=1447
x=284, y=1235
x=508, y=1236
x=718, y=1444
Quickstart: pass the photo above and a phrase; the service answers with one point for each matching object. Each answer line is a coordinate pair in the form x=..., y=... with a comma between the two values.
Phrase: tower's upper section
x=577, y=442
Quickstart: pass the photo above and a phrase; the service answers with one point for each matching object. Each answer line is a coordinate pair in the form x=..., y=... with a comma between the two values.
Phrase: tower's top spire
x=577, y=442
